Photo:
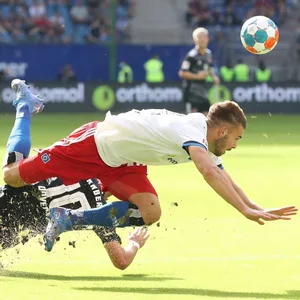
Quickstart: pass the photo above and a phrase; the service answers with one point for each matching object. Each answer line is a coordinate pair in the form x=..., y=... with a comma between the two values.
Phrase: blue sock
x=19, y=139
x=114, y=214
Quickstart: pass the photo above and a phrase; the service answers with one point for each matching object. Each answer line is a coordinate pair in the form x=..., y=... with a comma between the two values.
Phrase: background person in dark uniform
x=195, y=68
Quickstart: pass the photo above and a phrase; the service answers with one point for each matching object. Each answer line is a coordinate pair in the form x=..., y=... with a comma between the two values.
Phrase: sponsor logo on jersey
x=135, y=164
x=172, y=160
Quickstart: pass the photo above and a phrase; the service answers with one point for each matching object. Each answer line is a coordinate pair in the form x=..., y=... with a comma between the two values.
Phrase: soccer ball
x=259, y=35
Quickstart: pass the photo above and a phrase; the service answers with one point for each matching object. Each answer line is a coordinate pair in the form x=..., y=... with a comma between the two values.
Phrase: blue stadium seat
x=80, y=33
x=5, y=10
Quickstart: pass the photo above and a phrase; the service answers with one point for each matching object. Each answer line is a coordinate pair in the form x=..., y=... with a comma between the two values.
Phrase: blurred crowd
x=63, y=21
x=233, y=12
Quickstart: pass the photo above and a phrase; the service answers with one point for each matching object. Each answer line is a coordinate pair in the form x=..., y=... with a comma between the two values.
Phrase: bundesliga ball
x=259, y=35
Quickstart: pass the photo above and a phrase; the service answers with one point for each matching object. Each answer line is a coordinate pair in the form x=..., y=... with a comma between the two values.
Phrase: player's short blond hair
x=227, y=111
x=199, y=30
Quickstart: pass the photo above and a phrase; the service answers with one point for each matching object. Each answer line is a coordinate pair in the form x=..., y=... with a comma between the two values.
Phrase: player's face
x=202, y=40
x=228, y=136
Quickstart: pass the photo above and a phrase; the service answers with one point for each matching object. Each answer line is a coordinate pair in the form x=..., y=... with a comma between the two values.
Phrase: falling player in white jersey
x=117, y=152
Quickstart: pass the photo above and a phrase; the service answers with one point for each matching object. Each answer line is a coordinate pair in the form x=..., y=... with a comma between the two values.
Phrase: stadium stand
x=62, y=21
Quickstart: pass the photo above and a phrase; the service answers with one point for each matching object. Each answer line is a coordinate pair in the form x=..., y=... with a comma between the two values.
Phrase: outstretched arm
x=242, y=194
x=217, y=179
x=283, y=211
x=120, y=256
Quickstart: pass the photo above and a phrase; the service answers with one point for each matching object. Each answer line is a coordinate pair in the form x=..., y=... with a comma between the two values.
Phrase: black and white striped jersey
x=27, y=207
x=85, y=194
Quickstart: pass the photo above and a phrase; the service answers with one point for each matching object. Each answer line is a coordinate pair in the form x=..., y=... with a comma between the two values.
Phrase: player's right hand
x=140, y=235
x=283, y=211
x=261, y=216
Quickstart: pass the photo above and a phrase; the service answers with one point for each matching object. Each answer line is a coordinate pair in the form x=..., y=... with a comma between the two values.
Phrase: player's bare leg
x=148, y=205
x=11, y=175
x=144, y=210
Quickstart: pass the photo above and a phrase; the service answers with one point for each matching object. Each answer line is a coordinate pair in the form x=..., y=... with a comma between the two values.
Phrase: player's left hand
x=284, y=212
x=140, y=235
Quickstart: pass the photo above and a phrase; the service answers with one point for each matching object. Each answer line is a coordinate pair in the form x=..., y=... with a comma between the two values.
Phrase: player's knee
x=10, y=177
x=6, y=175
x=152, y=216
x=151, y=213
x=148, y=205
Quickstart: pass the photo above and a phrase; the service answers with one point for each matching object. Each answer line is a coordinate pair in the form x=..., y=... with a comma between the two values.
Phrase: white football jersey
x=149, y=137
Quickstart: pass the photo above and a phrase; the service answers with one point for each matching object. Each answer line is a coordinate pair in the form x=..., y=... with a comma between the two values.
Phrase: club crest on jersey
x=45, y=158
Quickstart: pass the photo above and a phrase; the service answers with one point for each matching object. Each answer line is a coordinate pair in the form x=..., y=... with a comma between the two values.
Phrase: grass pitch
x=203, y=248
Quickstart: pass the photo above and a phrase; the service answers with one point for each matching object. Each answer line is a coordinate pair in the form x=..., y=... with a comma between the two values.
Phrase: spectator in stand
x=275, y=10
x=57, y=22
x=67, y=75
x=203, y=17
x=51, y=37
x=192, y=9
x=232, y=12
x=18, y=35
x=79, y=13
x=42, y=26
x=240, y=10
x=9, y=22
x=198, y=13
x=123, y=29
x=230, y=18
x=5, y=37
x=37, y=9
x=98, y=32
x=60, y=21
x=94, y=8
x=93, y=4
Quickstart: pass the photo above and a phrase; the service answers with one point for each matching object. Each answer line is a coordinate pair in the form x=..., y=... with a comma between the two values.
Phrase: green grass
x=203, y=249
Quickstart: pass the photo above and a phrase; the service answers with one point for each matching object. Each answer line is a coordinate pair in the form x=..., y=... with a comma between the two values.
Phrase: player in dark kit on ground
x=23, y=215
x=195, y=68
